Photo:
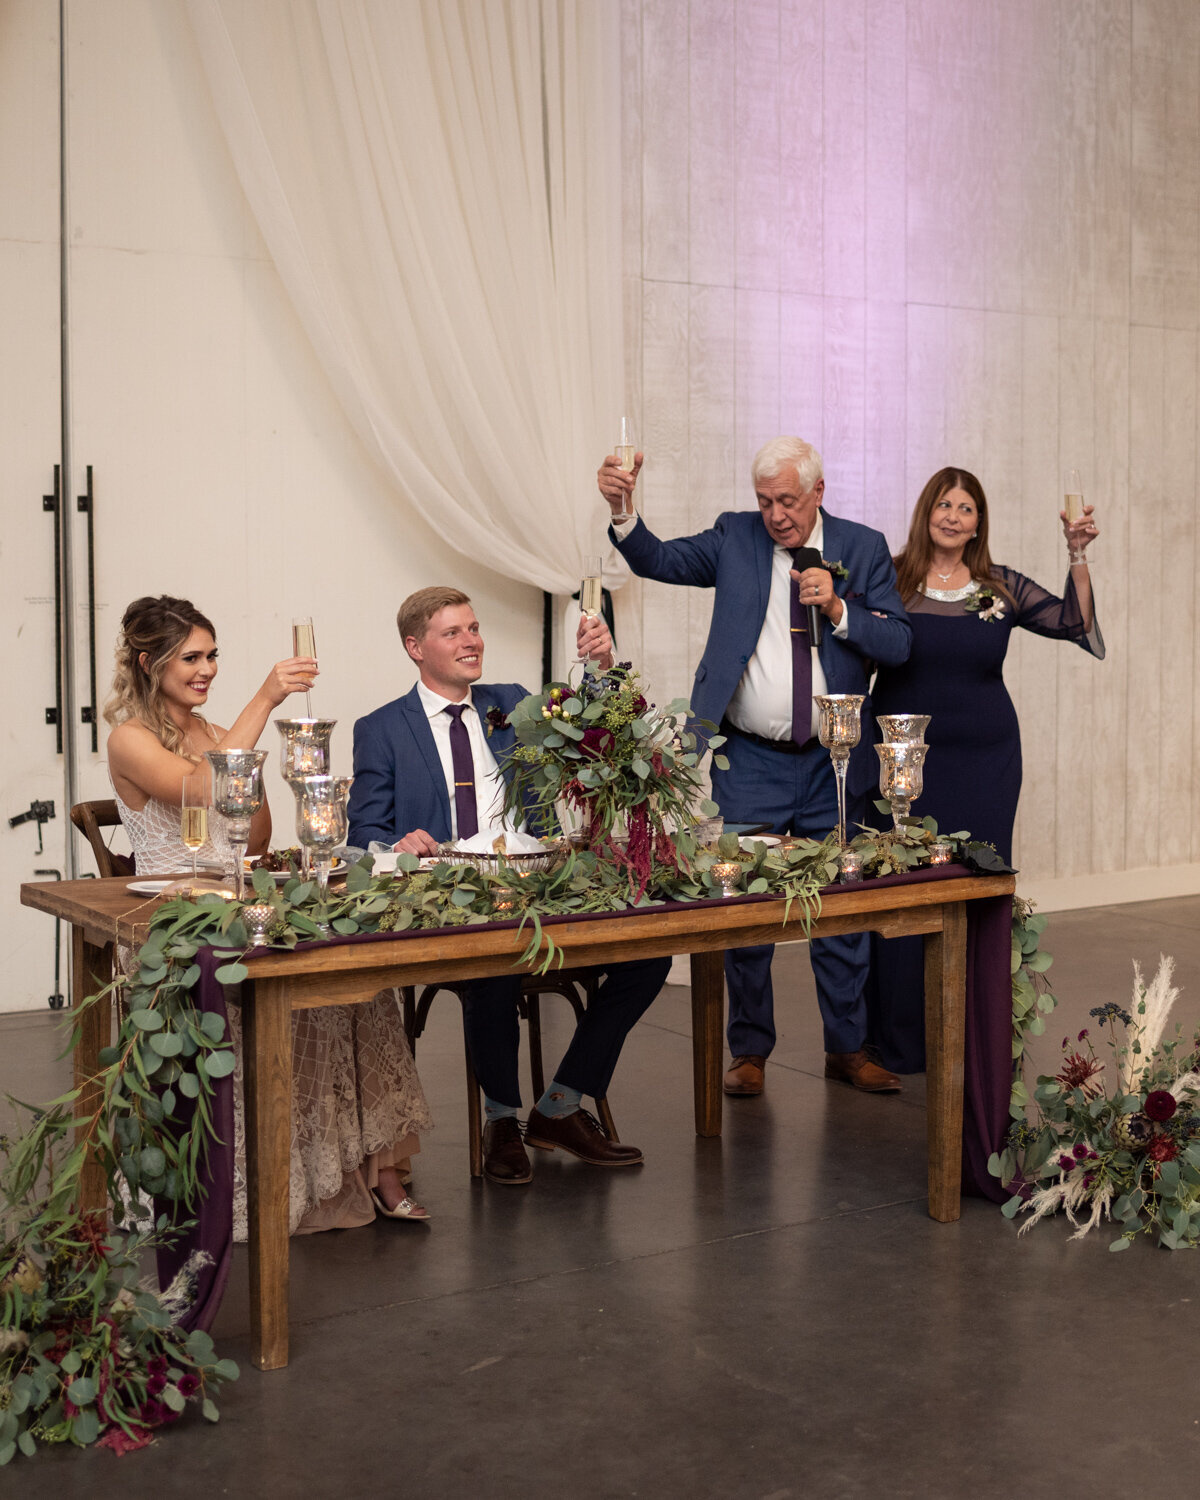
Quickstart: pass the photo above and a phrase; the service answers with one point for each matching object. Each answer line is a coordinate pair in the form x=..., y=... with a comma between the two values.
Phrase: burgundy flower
x=1162, y=1148
x=1081, y=1150
x=188, y=1385
x=1077, y=1072
x=597, y=741
x=497, y=719
x=156, y=1383
x=1160, y=1105
x=1082, y=1035
x=157, y=1365
x=1066, y=1163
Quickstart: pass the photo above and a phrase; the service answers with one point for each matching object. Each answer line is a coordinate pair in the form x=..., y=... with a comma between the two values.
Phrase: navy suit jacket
x=734, y=557
x=399, y=783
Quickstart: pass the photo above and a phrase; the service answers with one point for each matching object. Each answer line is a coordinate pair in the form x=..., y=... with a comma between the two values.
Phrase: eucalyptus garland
x=87, y=1353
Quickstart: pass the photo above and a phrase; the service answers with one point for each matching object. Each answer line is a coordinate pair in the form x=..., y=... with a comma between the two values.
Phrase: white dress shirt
x=489, y=784
x=762, y=701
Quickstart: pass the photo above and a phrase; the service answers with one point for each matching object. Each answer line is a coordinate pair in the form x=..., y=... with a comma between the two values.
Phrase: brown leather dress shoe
x=745, y=1076
x=857, y=1069
x=582, y=1135
x=504, y=1158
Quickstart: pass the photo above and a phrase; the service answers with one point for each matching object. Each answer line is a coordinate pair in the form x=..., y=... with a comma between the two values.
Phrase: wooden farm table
x=101, y=912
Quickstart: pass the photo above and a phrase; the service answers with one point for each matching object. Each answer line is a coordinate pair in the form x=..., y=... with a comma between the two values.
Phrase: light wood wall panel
x=920, y=232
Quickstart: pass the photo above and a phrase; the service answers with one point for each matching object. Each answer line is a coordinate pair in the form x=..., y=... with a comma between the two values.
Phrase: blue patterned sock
x=495, y=1111
x=559, y=1100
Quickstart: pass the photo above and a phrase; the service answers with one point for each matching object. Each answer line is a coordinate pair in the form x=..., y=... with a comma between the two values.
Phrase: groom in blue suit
x=757, y=677
x=426, y=771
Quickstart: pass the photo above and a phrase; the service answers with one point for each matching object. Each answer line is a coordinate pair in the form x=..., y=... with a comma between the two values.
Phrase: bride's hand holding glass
x=295, y=675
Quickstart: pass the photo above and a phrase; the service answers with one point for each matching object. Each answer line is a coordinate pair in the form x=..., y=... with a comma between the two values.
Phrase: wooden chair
x=90, y=818
x=574, y=986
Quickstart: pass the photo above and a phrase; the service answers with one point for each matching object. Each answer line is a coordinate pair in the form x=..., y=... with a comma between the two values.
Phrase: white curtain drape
x=438, y=184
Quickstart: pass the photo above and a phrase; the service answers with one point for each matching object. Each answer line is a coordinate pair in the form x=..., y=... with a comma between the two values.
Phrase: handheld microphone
x=809, y=557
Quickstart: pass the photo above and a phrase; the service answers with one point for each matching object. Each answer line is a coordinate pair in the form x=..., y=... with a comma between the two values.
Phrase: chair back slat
x=90, y=818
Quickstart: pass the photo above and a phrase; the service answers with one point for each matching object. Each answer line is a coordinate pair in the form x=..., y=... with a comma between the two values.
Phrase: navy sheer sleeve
x=1042, y=612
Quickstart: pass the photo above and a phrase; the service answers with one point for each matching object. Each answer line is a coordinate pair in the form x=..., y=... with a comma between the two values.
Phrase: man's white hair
x=784, y=453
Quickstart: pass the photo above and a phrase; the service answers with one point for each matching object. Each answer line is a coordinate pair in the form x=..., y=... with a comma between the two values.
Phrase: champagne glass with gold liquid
x=1073, y=505
x=626, y=448
x=591, y=587
x=304, y=643
x=193, y=815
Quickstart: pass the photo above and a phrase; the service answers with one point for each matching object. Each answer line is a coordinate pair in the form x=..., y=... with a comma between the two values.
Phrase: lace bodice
x=157, y=846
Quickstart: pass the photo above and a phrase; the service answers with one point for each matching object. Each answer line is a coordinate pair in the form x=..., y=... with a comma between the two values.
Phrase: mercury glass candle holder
x=901, y=777
x=728, y=875
x=237, y=794
x=304, y=751
x=504, y=900
x=258, y=918
x=322, y=822
x=903, y=729
x=839, y=729
x=850, y=866
x=941, y=851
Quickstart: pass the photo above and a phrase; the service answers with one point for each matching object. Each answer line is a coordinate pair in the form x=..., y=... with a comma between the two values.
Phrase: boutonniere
x=986, y=603
x=496, y=719
x=838, y=568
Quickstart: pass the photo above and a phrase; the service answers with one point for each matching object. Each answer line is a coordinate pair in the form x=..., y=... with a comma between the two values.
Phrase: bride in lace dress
x=357, y=1104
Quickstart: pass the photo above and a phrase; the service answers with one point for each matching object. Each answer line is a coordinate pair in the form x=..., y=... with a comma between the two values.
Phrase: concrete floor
x=771, y=1315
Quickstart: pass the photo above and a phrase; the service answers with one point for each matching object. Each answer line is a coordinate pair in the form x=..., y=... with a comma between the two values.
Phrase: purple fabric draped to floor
x=987, y=1079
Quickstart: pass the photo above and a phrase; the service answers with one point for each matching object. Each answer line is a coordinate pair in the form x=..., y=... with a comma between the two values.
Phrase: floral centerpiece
x=1115, y=1137
x=603, y=751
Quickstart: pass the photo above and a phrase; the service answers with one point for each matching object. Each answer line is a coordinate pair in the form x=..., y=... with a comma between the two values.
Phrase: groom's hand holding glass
x=593, y=642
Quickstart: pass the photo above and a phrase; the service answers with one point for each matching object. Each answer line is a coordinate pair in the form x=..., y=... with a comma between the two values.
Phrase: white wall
x=224, y=469
x=920, y=232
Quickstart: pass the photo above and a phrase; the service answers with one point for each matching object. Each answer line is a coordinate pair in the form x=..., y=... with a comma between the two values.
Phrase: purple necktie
x=802, y=692
x=464, y=773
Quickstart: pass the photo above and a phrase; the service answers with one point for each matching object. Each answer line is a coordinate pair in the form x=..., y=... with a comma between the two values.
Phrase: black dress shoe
x=504, y=1158
x=582, y=1135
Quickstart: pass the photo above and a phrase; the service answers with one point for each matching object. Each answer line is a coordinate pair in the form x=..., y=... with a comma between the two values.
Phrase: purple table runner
x=987, y=1078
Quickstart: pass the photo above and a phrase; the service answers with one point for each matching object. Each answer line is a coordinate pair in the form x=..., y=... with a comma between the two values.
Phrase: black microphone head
x=807, y=557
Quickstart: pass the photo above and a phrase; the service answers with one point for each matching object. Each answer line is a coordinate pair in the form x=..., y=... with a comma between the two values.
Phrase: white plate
x=149, y=887
x=748, y=840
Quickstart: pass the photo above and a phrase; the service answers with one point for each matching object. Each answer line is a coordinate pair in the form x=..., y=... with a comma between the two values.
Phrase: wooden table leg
x=267, y=1064
x=945, y=1030
x=91, y=970
x=708, y=1018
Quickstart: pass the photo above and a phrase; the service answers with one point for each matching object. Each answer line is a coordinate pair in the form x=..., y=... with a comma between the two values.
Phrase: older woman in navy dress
x=963, y=609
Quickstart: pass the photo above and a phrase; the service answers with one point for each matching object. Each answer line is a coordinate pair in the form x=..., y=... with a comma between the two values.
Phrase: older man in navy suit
x=757, y=678
x=425, y=771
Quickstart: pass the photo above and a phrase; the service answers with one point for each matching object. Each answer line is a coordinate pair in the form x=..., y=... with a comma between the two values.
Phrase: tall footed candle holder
x=322, y=822
x=304, y=751
x=903, y=729
x=901, y=776
x=839, y=730
x=237, y=794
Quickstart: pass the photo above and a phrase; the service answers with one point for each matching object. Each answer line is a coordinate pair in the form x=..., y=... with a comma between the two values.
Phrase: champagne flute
x=1073, y=505
x=304, y=643
x=626, y=448
x=193, y=815
x=591, y=587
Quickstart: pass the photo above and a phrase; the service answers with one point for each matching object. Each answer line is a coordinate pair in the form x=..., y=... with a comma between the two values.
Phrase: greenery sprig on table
x=87, y=1353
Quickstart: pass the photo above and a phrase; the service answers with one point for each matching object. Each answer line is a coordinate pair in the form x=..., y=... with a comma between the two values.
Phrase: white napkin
x=514, y=843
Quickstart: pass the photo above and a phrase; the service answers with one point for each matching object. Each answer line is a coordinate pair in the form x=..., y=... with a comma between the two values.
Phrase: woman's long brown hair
x=156, y=627
x=912, y=564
